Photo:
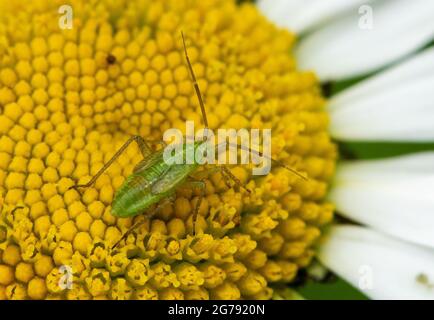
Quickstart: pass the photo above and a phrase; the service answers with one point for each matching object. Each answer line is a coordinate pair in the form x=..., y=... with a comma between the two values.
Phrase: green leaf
x=378, y=150
x=336, y=290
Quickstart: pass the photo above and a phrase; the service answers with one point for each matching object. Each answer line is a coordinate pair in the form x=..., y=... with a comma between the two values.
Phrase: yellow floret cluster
x=65, y=108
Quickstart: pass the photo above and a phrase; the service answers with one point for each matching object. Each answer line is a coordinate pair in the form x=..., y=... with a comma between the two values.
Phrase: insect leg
x=15, y=209
x=259, y=153
x=142, y=221
x=143, y=146
x=228, y=174
x=160, y=142
x=203, y=174
x=127, y=233
x=199, y=185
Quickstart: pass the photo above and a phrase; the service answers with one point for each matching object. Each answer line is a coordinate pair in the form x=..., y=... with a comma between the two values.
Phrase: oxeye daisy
x=77, y=80
x=389, y=255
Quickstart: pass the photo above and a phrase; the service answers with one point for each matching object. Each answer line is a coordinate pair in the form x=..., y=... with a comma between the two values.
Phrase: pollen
x=69, y=98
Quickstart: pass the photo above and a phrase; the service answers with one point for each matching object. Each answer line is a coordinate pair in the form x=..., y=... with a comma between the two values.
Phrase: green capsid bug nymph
x=151, y=181
x=154, y=180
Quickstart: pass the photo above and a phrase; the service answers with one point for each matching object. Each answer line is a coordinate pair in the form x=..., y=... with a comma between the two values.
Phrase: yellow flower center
x=69, y=98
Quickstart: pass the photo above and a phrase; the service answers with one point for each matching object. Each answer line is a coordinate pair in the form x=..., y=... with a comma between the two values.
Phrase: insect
x=153, y=180
x=111, y=59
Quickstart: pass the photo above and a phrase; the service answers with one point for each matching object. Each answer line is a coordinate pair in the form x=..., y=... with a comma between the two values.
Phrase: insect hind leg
x=199, y=184
x=145, y=149
x=142, y=221
x=127, y=233
x=228, y=175
x=16, y=208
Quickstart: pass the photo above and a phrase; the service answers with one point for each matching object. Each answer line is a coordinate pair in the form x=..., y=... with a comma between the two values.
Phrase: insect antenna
x=205, y=119
x=195, y=84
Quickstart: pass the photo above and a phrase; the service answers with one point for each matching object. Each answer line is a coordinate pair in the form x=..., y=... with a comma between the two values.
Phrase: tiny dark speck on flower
x=111, y=59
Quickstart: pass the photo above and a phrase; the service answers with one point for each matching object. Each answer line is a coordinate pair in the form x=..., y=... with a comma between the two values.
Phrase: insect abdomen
x=151, y=182
x=135, y=195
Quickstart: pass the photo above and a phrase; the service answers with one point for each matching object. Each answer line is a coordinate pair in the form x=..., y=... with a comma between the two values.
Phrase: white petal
x=393, y=196
x=343, y=49
x=382, y=267
x=417, y=67
x=301, y=15
x=396, y=105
